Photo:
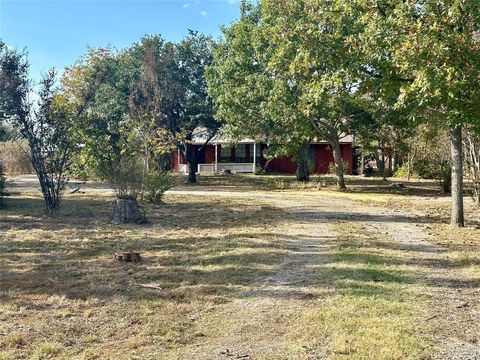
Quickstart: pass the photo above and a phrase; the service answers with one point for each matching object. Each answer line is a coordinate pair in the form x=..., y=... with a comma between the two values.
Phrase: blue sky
x=57, y=32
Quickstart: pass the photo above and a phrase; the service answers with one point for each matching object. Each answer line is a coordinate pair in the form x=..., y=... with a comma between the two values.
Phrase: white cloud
x=187, y=5
x=204, y=13
x=231, y=2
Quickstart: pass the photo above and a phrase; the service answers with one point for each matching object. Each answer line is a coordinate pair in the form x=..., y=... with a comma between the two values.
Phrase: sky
x=57, y=32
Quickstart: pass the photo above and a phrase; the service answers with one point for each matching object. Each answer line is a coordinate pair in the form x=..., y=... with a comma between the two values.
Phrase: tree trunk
x=409, y=166
x=192, y=164
x=457, y=176
x=337, y=158
x=384, y=170
x=302, y=163
x=126, y=211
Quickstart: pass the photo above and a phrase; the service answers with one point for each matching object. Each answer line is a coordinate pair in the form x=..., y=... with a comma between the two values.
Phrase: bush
x=332, y=168
x=435, y=170
x=156, y=185
x=445, y=178
x=125, y=174
x=15, y=157
x=259, y=170
x=402, y=172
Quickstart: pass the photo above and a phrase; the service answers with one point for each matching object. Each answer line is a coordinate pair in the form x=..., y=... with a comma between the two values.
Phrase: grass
x=204, y=288
x=59, y=282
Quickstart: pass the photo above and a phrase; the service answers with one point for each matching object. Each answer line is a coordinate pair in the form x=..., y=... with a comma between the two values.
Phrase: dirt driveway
x=447, y=292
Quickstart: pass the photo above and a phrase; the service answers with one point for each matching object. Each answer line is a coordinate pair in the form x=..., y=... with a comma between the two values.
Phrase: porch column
x=178, y=160
x=254, y=157
x=216, y=158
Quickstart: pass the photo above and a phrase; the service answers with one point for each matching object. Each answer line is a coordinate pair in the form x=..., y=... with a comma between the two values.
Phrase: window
x=240, y=153
x=225, y=153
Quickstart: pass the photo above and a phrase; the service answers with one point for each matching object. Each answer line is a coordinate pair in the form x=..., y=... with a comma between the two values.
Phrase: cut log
x=127, y=211
x=131, y=257
x=128, y=257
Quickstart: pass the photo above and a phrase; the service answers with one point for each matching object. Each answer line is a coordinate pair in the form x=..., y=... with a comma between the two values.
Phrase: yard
x=242, y=267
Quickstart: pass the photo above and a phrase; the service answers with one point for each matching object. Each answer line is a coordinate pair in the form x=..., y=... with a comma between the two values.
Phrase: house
x=247, y=154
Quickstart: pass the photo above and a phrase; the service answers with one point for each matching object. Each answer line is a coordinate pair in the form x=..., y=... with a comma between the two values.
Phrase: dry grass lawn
x=264, y=270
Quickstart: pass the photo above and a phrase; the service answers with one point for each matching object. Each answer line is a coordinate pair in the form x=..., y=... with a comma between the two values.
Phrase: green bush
x=332, y=168
x=446, y=179
x=402, y=172
x=435, y=170
x=259, y=170
x=156, y=185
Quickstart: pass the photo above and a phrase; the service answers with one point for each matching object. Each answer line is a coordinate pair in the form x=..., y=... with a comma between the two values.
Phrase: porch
x=221, y=157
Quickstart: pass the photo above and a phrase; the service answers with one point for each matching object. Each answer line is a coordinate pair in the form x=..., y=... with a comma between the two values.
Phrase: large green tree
x=296, y=69
x=254, y=101
x=100, y=84
x=426, y=54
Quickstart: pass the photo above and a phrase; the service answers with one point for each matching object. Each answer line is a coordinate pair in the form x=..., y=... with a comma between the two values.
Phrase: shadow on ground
x=212, y=248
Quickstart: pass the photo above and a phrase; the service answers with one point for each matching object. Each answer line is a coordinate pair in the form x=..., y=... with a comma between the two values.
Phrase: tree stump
x=126, y=211
x=128, y=257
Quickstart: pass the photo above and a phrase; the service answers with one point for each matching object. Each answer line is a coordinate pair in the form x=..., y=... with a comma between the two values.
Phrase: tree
x=154, y=99
x=47, y=130
x=45, y=126
x=194, y=55
x=429, y=52
x=253, y=100
x=471, y=146
x=171, y=92
x=298, y=66
x=99, y=86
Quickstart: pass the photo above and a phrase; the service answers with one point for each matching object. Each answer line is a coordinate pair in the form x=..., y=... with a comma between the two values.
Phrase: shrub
x=126, y=178
x=432, y=169
x=15, y=157
x=332, y=168
x=445, y=178
x=402, y=172
x=259, y=170
x=156, y=185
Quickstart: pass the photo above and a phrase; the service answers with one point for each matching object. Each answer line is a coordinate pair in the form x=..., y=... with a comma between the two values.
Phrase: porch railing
x=221, y=167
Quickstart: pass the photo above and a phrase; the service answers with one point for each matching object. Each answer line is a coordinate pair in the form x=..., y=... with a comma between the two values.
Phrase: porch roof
x=201, y=135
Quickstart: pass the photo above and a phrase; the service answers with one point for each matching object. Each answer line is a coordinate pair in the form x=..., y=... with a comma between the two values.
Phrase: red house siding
x=347, y=156
x=174, y=160
x=323, y=158
x=209, y=154
x=284, y=165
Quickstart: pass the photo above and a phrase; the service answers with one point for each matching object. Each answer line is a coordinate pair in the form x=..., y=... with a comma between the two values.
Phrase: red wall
x=347, y=156
x=323, y=157
x=174, y=160
x=209, y=154
x=284, y=165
